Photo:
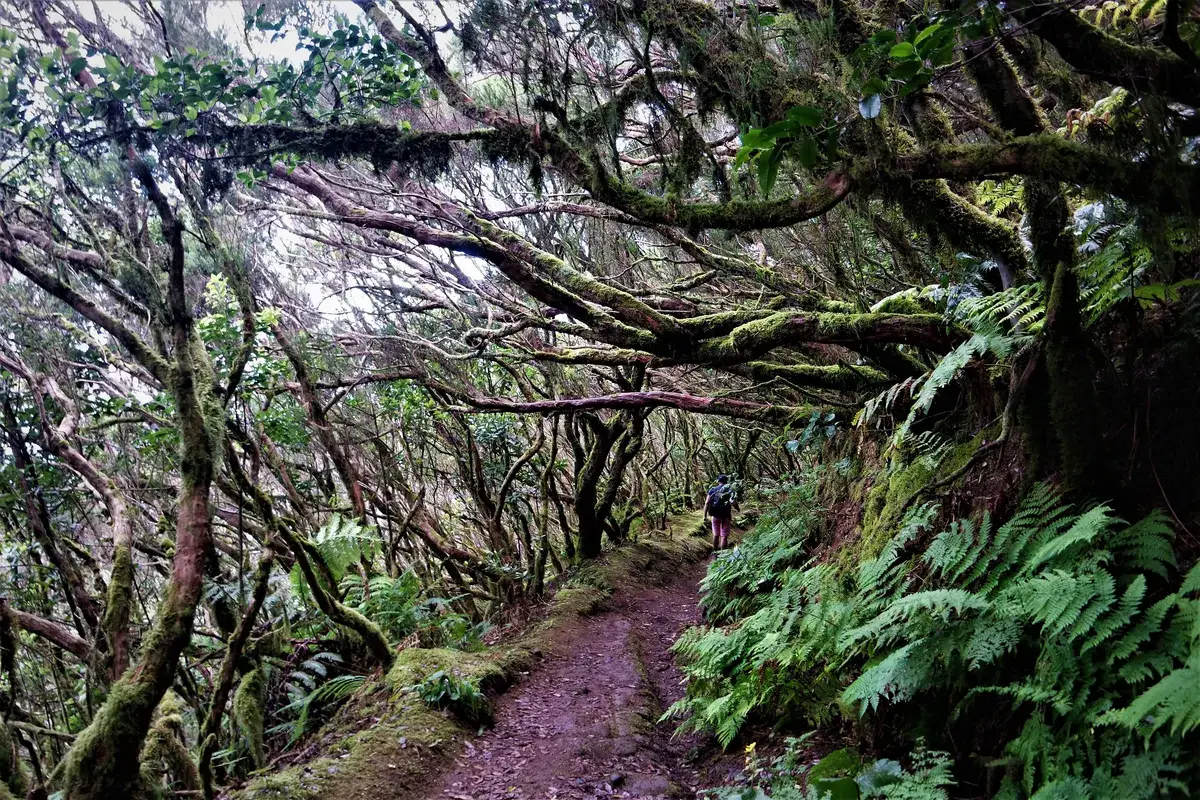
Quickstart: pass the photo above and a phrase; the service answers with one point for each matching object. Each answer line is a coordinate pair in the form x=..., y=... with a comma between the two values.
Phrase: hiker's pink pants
x=720, y=528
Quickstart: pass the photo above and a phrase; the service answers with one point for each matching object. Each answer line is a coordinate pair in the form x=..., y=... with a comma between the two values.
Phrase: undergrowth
x=1054, y=656
x=461, y=697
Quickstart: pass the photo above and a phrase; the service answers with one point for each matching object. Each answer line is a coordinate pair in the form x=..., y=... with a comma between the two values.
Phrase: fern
x=986, y=341
x=1172, y=701
x=1148, y=545
x=310, y=686
x=899, y=676
x=1063, y=613
x=1000, y=197
x=444, y=689
x=1118, y=14
x=342, y=541
x=887, y=399
x=901, y=617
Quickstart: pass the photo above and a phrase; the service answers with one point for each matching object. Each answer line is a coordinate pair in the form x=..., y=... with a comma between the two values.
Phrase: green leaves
x=444, y=689
x=768, y=168
x=797, y=135
x=834, y=774
x=806, y=116
x=187, y=91
x=906, y=60
x=1055, y=609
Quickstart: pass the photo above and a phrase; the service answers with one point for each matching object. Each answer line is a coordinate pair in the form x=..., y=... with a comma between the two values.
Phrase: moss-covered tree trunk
x=588, y=472
x=104, y=762
x=1067, y=385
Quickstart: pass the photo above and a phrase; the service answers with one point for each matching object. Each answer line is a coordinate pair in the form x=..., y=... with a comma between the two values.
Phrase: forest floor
x=584, y=723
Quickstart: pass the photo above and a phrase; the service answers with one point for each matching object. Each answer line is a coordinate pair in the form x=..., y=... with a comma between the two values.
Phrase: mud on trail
x=582, y=724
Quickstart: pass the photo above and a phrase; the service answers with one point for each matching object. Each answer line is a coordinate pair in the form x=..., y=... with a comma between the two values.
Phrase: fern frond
x=342, y=541
x=990, y=640
x=938, y=605
x=886, y=400
x=1083, y=531
x=1120, y=616
x=1148, y=545
x=1067, y=789
x=1173, y=701
x=1150, y=623
x=1062, y=602
x=958, y=550
x=898, y=676
x=989, y=340
x=1022, y=307
x=1191, y=582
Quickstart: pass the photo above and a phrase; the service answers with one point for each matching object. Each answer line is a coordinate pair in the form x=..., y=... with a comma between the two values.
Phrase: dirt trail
x=583, y=724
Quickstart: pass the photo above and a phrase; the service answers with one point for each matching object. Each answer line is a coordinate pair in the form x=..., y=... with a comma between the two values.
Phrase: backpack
x=721, y=503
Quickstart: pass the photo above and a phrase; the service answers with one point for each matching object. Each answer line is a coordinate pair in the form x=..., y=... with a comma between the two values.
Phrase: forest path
x=583, y=724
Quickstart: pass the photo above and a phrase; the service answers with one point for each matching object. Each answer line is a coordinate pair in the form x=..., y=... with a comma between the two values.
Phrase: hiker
x=719, y=505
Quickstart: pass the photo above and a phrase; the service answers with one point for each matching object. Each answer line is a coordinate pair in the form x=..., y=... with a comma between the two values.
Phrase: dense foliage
x=1077, y=620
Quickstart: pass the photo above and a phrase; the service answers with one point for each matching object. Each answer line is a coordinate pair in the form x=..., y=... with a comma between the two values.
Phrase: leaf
x=806, y=115
x=806, y=152
x=838, y=764
x=925, y=35
x=784, y=128
x=835, y=788
x=1163, y=292
x=883, y=772
x=768, y=169
x=906, y=70
x=882, y=38
x=869, y=107
x=903, y=50
x=754, y=139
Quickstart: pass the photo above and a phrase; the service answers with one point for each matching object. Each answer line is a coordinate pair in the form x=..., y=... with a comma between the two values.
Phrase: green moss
x=248, y=703
x=581, y=600
x=384, y=744
x=823, y=376
x=933, y=206
x=12, y=775
x=121, y=722
x=120, y=597
x=896, y=489
x=426, y=153
x=902, y=304
x=166, y=755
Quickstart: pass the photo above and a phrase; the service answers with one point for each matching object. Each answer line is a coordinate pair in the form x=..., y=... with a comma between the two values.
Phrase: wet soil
x=584, y=724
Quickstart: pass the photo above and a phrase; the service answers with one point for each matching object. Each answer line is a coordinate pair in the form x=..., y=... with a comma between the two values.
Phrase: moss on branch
x=819, y=376
x=1166, y=185
x=1094, y=52
x=734, y=215
x=754, y=338
x=425, y=153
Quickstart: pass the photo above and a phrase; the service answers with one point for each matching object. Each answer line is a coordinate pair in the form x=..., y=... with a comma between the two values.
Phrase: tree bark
x=211, y=728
